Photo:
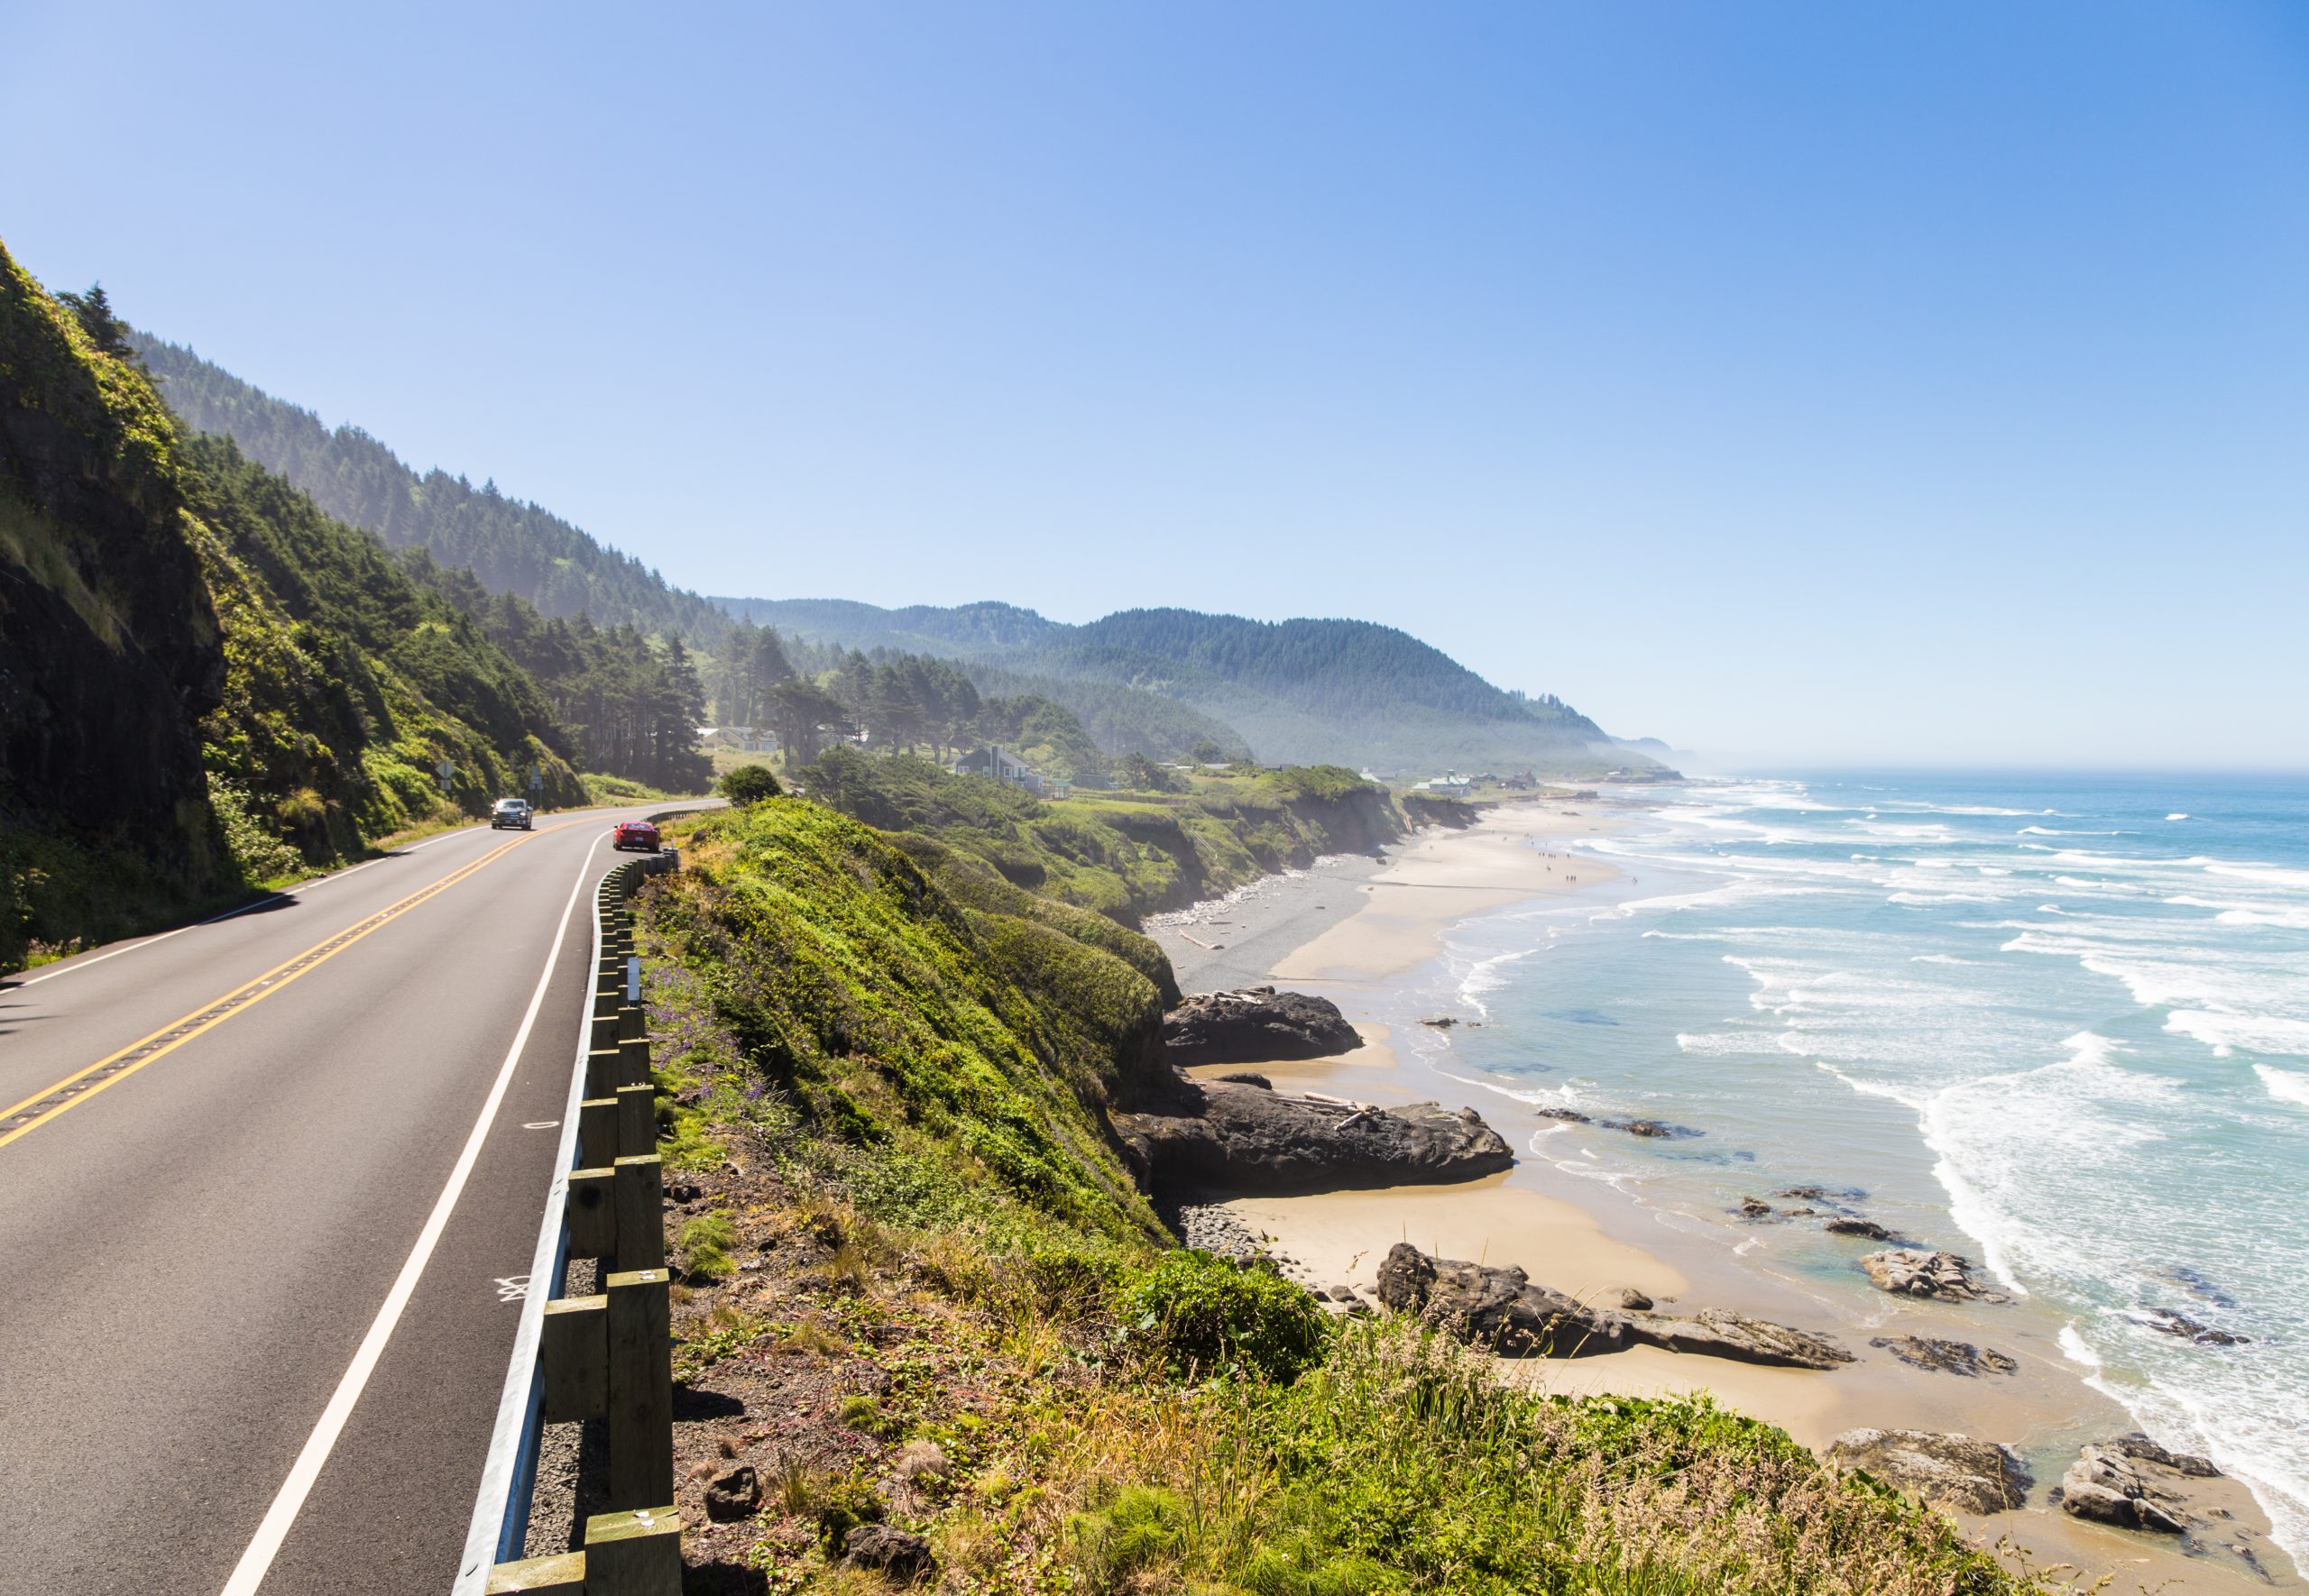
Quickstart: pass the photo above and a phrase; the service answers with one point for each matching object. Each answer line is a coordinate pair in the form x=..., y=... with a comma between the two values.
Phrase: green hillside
x=513, y=547
x=205, y=683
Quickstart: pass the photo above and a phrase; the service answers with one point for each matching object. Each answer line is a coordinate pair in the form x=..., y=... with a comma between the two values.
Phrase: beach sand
x=1532, y=1218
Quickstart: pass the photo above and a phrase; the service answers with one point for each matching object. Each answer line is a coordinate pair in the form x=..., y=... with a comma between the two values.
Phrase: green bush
x=750, y=784
x=1202, y=1315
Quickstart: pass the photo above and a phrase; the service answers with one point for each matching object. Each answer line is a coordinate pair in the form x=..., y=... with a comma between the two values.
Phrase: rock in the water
x=1571, y=1114
x=1502, y=1310
x=2108, y=1487
x=1952, y=1471
x=1754, y=1208
x=1849, y=1226
x=734, y=1495
x=1220, y=1136
x=1945, y=1357
x=1832, y=1196
x=2185, y=1328
x=1440, y=1022
x=1643, y=1127
x=1253, y=1025
x=1909, y=1272
x=896, y=1553
x=1634, y=1301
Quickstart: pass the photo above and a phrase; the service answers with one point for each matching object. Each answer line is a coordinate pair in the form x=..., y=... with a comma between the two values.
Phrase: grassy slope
x=1125, y=855
x=887, y=1069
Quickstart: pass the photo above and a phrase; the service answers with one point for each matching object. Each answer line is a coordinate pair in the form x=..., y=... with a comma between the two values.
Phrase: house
x=996, y=764
x=1451, y=785
x=742, y=740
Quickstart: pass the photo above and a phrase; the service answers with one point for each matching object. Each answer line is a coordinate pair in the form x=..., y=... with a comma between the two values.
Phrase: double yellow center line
x=74, y=1089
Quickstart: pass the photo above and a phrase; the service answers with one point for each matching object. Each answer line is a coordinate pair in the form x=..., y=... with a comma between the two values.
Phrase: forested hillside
x=512, y=546
x=205, y=681
x=631, y=707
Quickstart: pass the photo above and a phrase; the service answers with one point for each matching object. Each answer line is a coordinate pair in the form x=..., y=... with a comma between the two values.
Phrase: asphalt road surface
x=224, y=1147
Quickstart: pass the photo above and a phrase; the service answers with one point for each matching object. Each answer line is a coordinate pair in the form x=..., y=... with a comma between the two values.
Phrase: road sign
x=448, y=771
x=537, y=778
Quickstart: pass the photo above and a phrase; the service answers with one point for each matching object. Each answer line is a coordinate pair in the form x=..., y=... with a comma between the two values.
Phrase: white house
x=743, y=739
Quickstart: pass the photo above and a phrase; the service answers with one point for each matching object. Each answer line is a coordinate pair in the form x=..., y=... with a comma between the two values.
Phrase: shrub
x=1203, y=1315
x=749, y=784
x=1143, y=1526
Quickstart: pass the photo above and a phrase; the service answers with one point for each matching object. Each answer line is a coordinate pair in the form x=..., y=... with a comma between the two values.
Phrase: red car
x=638, y=834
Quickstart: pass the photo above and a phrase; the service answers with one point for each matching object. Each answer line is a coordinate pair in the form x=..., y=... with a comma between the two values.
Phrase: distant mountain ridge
x=1302, y=691
x=1306, y=690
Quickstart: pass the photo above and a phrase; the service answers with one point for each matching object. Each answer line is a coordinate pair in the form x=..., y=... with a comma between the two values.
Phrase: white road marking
x=540, y=1125
x=512, y=1287
x=249, y=1572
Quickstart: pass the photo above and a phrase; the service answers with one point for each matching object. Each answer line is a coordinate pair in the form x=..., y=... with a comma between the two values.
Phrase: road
x=197, y=1239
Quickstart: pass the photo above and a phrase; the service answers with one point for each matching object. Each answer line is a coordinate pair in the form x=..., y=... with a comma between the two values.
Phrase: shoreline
x=1550, y=1223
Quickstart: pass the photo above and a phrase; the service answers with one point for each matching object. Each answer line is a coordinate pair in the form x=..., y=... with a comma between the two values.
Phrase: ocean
x=2059, y=1023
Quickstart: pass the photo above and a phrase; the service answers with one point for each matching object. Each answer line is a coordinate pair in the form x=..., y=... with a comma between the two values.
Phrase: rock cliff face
x=109, y=650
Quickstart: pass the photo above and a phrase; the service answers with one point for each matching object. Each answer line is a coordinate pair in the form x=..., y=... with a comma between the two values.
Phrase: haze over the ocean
x=1795, y=381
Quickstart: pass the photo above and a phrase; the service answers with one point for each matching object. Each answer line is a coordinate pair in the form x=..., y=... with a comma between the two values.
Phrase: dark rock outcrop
x=1945, y=1357
x=1502, y=1310
x=1951, y=1471
x=1255, y=1025
x=1848, y=1226
x=2182, y=1327
x=1913, y=1272
x=1635, y=1301
x=2108, y=1486
x=2138, y=1447
x=1221, y=1136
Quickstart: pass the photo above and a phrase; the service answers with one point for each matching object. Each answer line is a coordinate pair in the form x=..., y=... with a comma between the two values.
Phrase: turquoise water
x=2058, y=1022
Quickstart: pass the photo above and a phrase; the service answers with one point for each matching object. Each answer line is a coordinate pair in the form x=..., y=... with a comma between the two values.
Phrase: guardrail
x=608, y=1355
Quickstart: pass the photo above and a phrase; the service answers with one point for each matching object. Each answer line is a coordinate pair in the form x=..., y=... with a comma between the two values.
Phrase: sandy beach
x=1347, y=929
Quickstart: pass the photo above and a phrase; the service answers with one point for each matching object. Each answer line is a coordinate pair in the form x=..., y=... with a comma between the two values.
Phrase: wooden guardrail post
x=597, y=1129
x=574, y=1349
x=592, y=1210
x=637, y=1119
x=640, y=1387
x=638, y=1199
x=634, y=1553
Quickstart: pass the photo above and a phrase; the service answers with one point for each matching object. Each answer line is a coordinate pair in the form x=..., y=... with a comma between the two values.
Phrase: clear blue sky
x=1826, y=381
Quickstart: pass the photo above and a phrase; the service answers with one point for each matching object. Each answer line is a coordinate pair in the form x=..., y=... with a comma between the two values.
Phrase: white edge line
x=491, y=1501
x=269, y=898
x=249, y=1572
